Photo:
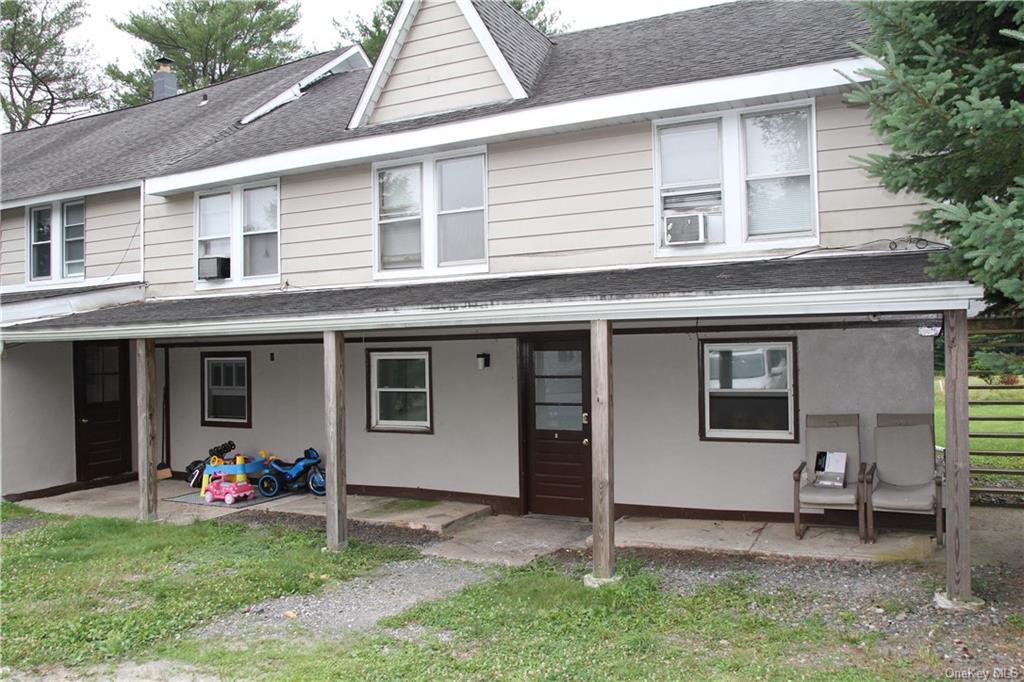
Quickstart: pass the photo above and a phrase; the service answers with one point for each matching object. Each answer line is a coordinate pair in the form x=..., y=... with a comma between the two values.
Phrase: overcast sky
x=316, y=30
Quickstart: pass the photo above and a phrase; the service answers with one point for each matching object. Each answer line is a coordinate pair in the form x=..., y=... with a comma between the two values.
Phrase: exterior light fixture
x=483, y=360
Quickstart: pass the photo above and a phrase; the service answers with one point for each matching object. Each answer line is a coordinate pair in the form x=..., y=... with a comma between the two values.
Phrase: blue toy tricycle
x=293, y=476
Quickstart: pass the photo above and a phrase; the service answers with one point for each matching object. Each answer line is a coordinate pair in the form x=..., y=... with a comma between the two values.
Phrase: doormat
x=196, y=498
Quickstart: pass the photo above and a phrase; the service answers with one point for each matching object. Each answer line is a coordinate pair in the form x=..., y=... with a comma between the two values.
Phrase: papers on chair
x=830, y=469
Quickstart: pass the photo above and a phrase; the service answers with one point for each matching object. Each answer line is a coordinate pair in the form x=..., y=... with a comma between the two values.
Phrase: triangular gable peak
x=439, y=56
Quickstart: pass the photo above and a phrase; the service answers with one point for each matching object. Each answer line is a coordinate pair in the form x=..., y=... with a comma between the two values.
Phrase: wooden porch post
x=601, y=452
x=145, y=399
x=958, y=466
x=334, y=424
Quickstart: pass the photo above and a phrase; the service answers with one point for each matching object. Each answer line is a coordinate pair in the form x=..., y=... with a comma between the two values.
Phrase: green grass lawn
x=85, y=589
x=989, y=427
x=540, y=622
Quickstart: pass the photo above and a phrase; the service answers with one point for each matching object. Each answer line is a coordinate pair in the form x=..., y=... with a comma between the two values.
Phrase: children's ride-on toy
x=224, y=487
x=293, y=476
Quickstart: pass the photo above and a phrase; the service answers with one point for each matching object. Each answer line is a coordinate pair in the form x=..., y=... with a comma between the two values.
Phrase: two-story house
x=472, y=258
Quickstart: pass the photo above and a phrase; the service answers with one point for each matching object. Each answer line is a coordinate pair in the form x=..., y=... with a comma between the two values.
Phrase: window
x=748, y=390
x=734, y=180
x=431, y=216
x=399, y=391
x=242, y=224
x=778, y=172
x=56, y=243
x=42, y=242
x=74, y=239
x=227, y=385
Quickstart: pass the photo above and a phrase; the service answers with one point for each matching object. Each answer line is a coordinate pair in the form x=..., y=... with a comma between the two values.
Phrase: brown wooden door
x=102, y=409
x=557, y=395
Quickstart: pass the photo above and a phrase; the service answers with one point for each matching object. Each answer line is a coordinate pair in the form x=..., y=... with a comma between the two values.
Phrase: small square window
x=226, y=396
x=399, y=391
x=748, y=390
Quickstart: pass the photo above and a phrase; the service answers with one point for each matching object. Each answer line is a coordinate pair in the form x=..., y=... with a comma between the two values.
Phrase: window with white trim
x=242, y=224
x=399, y=391
x=226, y=398
x=56, y=241
x=748, y=391
x=431, y=215
x=735, y=180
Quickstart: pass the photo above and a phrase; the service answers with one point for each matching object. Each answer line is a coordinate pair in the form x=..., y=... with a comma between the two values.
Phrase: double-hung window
x=226, y=398
x=431, y=215
x=56, y=241
x=240, y=224
x=734, y=180
x=748, y=390
x=399, y=391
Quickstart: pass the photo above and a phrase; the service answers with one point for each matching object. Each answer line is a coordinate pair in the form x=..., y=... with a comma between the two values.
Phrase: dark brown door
x=102, y=409
x=557, y=395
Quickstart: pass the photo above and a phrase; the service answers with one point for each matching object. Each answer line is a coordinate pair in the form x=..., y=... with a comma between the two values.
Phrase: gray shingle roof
x=523, y=46
x=860, y=271
x=41, y=294
x=175, y=135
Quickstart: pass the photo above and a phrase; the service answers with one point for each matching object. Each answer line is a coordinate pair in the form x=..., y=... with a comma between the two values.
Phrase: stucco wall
x=659, y=459
x=474, y=447
x=37, y=417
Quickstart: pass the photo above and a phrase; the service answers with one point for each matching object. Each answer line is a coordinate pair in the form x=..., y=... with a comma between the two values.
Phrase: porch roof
x=865, y=283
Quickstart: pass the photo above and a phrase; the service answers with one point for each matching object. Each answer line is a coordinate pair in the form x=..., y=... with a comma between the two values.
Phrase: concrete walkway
x=122, y=501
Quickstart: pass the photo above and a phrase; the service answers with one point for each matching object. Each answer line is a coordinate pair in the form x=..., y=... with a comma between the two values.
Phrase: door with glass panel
x=102, y=409
x=557, y=410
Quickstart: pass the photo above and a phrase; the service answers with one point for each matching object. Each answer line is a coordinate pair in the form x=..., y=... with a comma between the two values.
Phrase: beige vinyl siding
x=326, y=228
x=853, y=208
x=441, y=66
x=12, y=246
x=571, y=200
x=112, y=234
x=169, y=238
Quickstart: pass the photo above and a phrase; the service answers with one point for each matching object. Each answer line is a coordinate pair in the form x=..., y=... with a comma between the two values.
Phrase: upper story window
x=734, y=180
x=237, y=235
x=56, y=243
x=431, y=215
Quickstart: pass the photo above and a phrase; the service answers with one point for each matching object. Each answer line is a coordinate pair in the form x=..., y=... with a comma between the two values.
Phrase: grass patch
x=540, y=622
x=395, y=506
x=88, y=589
x=10, y=511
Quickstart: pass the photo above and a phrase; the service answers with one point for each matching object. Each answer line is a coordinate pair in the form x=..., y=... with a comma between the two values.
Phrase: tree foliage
x=45, y=75
x=371, y=32
x=949, y=100
x=209, y=40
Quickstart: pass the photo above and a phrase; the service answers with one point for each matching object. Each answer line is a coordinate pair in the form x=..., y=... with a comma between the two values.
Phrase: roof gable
x=439, y=56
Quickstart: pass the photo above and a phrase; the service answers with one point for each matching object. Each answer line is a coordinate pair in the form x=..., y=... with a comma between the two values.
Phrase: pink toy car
x=221, y=488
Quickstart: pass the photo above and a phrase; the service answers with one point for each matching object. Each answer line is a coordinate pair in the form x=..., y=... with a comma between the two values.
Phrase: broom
x=163, y=469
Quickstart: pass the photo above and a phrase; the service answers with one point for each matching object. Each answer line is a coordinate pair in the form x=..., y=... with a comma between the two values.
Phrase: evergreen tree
x=371, y=32
x=44, y=75
x=209, y=40
x=949, y=100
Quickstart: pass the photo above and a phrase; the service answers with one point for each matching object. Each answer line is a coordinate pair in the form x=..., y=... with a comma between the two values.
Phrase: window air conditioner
x=686, y=228
x=214, y=267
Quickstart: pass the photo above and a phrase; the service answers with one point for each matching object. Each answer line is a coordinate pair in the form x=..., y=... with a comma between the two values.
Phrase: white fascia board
x=494, y=53
x=534, y=120
x=295, y=91
x=385, y=60
x=73, y=194
x=59, y=306
x=900, y=299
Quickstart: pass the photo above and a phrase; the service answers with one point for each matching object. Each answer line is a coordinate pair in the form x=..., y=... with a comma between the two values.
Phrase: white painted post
x=334, y=424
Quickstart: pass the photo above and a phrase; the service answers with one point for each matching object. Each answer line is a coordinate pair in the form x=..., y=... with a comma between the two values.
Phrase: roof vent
x=165, y=81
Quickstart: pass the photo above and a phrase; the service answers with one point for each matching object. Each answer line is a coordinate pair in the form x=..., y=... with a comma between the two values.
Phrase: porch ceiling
x=796, y=286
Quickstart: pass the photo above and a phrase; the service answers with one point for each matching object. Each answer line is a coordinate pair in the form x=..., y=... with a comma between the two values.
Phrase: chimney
x=165, y=81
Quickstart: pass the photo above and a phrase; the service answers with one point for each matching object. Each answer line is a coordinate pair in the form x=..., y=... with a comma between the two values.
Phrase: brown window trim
x=429, y=430
x=203, y=356
x=700, y=387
